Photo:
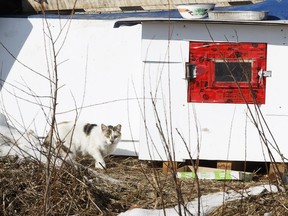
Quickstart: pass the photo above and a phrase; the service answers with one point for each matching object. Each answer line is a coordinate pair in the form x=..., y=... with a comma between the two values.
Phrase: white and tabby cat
x=95, y=140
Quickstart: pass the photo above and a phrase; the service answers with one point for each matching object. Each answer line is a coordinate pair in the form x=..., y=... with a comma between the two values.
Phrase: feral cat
x=95, y=140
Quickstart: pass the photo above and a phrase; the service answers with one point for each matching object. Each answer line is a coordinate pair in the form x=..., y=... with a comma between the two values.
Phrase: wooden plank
x=231, y=165
x=225, y=165
x=277, y=169
x=113, y=5
x=168, y=165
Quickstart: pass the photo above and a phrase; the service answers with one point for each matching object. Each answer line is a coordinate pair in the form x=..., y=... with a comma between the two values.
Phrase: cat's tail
x=57, y=146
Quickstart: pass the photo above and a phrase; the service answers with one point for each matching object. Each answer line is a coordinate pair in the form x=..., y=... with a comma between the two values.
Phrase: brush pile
x=29, y=188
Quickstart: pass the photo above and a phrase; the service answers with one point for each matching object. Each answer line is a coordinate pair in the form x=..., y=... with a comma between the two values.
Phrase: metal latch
x=191, y=71
x=263, y=73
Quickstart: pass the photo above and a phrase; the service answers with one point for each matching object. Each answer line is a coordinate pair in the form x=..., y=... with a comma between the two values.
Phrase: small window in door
x=233, y=71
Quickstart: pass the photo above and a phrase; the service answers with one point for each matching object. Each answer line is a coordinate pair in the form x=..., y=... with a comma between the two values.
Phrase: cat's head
x=112, y=134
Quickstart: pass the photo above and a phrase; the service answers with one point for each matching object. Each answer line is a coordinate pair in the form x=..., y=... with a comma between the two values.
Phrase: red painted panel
x=227, y=72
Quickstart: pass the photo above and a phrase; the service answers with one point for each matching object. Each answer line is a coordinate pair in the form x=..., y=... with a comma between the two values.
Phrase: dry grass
x=276, y=204
x=77, y=192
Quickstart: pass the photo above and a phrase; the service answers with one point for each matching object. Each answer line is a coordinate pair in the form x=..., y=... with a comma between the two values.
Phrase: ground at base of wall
x=137, y=185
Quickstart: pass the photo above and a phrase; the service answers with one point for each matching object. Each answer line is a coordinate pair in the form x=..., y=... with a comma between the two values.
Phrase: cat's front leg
x=100, y=164
x=99, y=160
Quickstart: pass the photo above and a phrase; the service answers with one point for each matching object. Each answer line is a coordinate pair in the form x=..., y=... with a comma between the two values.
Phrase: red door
x=226, y=72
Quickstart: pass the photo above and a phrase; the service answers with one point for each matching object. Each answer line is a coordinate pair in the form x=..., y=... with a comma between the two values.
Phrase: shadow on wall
x=11, y=43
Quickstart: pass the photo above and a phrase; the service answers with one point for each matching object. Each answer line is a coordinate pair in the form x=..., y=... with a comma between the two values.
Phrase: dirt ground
x=126, y=183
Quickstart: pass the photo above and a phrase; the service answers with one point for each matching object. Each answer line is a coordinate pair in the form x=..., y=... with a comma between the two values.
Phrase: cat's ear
x=118, y=127
x=104, y=127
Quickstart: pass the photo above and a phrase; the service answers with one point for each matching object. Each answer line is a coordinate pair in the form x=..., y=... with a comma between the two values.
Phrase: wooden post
x=167, y=165
x=275, y=168
x=226, y=165
x=231, y=165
